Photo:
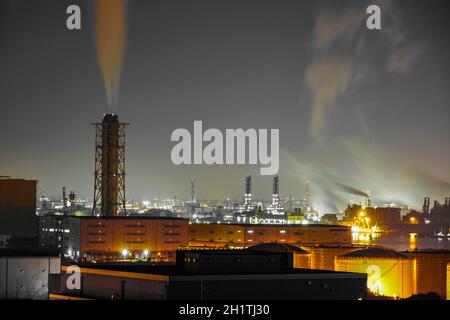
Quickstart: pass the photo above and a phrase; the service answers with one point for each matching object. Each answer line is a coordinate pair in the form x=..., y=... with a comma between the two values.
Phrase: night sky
x=368, y=109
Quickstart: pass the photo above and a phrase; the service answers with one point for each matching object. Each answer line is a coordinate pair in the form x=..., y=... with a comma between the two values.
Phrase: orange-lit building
x=448, y=281
x=126, y=238
x=234, y=235
x=389, y=273
x=18, y=207
x=137, y=238
x=323, y=257
x=380, y=216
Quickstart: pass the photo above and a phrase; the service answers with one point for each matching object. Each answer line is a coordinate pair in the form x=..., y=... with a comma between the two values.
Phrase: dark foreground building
x=27, y=275
x=18, y=208
x=214, y=275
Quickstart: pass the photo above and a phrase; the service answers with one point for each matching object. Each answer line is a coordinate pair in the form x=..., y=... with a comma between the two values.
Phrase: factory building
x=240, y=235
x=390, y=273
x=115, y=238
x=26, y=275
x=52, y=231
x=18, y=208
x=381, y=216
x=440, y=214
x=216, y=275
x=107, y=238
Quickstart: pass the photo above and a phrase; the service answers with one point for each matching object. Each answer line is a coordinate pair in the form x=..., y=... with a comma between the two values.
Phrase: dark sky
x=369, y=109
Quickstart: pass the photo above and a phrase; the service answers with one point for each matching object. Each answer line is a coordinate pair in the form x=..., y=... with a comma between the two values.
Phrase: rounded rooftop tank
x=389, y=273
x=375, y=253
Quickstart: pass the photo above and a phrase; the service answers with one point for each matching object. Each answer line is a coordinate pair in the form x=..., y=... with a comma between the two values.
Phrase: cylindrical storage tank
x=301, y=258
x=448, y=281
x=322, y=258
x=431, y=267
x=389, y=273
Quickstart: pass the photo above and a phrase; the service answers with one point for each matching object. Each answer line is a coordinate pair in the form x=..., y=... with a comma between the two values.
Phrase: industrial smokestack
x=193, y=190
x=447, y=202
x=248, y=198
x=426, y=205
x=248, y=185
x=109, y=186
x=275, y=207
x=276, y=186
x=64, y=197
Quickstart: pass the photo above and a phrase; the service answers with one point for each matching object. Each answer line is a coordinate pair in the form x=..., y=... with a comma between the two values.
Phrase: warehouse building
x=144, y=238
x=114, y=238
x=243, y=235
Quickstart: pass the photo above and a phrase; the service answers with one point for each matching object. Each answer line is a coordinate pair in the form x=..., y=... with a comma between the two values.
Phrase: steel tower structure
x=109, y=182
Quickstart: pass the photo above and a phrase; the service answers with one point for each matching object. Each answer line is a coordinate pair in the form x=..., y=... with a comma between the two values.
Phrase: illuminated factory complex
x=290, y=236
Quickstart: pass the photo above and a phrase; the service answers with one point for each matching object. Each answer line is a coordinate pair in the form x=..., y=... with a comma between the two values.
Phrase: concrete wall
x=26, y=277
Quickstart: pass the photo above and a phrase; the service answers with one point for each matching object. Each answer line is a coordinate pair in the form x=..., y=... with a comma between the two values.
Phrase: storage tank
x=431, y=266
x=389, y=273
x=323, y=257
x=301, y=258
x=448, y=281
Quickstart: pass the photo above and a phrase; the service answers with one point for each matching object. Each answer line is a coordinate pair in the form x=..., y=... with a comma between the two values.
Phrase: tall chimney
x=64, y=197
x=248, y=185
x=276, y=186
x=276, y=203
x=426, y=205
x=248, y=198
x=109, y=186
x=193, y=190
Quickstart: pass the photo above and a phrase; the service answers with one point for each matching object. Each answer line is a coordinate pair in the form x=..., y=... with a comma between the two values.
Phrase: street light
x=124, y=253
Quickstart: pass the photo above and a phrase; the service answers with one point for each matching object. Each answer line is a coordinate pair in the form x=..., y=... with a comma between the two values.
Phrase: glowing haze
x=110, y=38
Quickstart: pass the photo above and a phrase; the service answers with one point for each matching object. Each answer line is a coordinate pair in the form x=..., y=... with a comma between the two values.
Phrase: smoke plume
x=351, y=190
x=110, y=38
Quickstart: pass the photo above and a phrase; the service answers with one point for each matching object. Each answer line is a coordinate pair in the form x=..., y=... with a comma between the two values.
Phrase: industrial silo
x=431, y=269
x=448, y=281
x=323, y=257
x=389, y=273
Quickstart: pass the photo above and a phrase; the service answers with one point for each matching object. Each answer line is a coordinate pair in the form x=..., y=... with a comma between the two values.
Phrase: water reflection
x=404, y=242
